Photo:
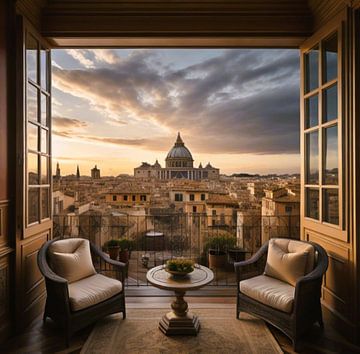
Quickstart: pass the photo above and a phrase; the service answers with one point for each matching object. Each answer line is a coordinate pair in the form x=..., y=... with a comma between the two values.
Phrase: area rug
x=220, y=333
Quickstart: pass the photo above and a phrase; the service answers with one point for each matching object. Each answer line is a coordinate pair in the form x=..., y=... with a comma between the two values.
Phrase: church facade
x=179, y=165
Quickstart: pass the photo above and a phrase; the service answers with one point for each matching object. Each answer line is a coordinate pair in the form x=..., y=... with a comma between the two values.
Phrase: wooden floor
x=40, y=338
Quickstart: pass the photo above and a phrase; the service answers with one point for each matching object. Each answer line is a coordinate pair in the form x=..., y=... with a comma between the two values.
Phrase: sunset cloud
x=233, y=102
x=215, y=103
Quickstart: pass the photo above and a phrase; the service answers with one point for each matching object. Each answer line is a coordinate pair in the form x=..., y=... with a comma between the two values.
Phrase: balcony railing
x=157, y=238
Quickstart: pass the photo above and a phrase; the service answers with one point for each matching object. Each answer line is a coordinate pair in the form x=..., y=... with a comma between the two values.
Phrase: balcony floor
x=47, y=339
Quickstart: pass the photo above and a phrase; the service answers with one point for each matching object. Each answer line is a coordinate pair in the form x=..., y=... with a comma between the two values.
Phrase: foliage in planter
x=220, y=244
x=125, y=244
x=111, y=244
x=180, y=265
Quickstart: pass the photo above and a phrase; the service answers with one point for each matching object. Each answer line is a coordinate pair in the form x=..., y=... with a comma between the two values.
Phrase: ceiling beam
x=278, y=23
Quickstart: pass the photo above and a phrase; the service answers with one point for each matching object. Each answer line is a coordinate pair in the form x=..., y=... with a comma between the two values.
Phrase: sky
x=235, y=108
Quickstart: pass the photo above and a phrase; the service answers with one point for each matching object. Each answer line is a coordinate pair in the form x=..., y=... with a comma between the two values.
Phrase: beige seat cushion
x=71, y=259
x=92, y=290
x=285, y=266
x=269, y=291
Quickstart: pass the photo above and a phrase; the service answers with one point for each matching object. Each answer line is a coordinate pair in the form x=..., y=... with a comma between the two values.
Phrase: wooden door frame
x=28, y=239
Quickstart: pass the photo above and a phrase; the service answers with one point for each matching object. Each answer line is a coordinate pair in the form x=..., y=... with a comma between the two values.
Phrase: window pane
x=32, y=135
x=330, y=58
x=33, y=168
x=331, y=155
x=311, y=111
x=43, y=143
x=312, y=158
x=31, y=58
x=43, y=109
x=330, y=103
x=45, y=205
x=312, y=70
x=33, y=205
x=32, y=105
x=331, y=206
x=312, y=203
x=43, y=69
x=44, y=170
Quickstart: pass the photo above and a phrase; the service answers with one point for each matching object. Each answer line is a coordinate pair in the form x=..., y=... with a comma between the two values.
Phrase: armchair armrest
x=119, y=266
x=56, y=286
x=308, y=287
x=253, y=266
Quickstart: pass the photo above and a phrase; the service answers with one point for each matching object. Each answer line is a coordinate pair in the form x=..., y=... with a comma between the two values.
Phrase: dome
x=179, y=150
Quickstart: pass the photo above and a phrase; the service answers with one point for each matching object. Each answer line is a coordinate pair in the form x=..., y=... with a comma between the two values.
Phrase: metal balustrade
x=157, y=238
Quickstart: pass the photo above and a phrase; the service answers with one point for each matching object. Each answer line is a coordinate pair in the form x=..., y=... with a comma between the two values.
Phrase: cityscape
x=174, y=210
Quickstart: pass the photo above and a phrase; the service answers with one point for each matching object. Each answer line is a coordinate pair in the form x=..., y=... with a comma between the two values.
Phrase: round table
x=179, y=320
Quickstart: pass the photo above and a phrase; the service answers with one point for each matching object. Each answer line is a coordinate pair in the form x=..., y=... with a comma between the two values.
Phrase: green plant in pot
x=113, y=248
x=125, y=248
x=179, y=267
x=218, y=247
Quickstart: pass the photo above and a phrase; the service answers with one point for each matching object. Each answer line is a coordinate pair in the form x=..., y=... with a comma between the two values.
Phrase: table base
x=171, y=324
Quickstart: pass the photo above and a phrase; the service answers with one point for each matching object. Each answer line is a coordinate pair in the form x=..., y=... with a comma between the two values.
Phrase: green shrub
x=112, y=243
x=126, y=244
x=220, y=243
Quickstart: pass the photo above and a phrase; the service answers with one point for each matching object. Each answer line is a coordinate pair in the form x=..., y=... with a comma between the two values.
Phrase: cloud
x=80, y=56
x=243, y=101
x=68, y=123
x=157, y=144
x=105, y=55
x=67, y=127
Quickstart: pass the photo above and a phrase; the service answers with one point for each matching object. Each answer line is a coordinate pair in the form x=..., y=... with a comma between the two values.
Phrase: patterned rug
x=220, y=333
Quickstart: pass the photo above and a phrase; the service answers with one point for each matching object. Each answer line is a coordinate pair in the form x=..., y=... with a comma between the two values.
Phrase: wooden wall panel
x=338, y=287
x=4, y=193
x=5, y=308
x=6, y=172
x=33, y=285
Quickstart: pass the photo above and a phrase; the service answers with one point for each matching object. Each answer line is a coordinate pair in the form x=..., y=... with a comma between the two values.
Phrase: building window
x=202, y=196
x=178, y=197
x=192, y=197
x=288, y=209
x=194, y=209
x=213, y=212
x=114, y=198
x=143, y=198
x=125, y=198
x=133, y=198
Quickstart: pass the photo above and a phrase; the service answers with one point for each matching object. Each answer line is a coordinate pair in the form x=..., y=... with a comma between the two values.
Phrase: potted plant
x=113, y=248
x=179, y=267
x=125, y=245
x=217, y=247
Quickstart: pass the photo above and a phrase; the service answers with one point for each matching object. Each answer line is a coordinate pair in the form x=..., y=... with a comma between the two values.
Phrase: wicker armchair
x=59, y=305
x=306, y=308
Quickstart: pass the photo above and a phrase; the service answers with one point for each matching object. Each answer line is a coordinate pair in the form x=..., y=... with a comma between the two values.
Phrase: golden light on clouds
x=237, y=109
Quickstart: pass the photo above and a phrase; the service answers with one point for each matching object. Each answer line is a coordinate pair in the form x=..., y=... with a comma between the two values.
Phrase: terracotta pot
x=217, y=259
x=124, y=256
x=114, y=252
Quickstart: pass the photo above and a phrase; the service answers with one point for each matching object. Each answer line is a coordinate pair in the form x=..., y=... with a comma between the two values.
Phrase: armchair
x=82, y=295
x=292, y=309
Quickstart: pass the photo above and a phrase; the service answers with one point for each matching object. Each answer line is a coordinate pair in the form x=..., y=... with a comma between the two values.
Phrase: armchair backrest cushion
x=71, y=259
x=293, y=246
x=287, y=261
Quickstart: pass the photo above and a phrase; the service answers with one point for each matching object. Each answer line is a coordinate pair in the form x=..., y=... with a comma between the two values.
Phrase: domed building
x=179, y=165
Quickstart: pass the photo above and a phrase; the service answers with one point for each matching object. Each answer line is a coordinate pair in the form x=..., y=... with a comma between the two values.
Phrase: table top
x=160, y=278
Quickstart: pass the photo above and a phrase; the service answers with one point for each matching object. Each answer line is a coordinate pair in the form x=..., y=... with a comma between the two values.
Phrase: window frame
x=336, y=231
x=41, y=187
